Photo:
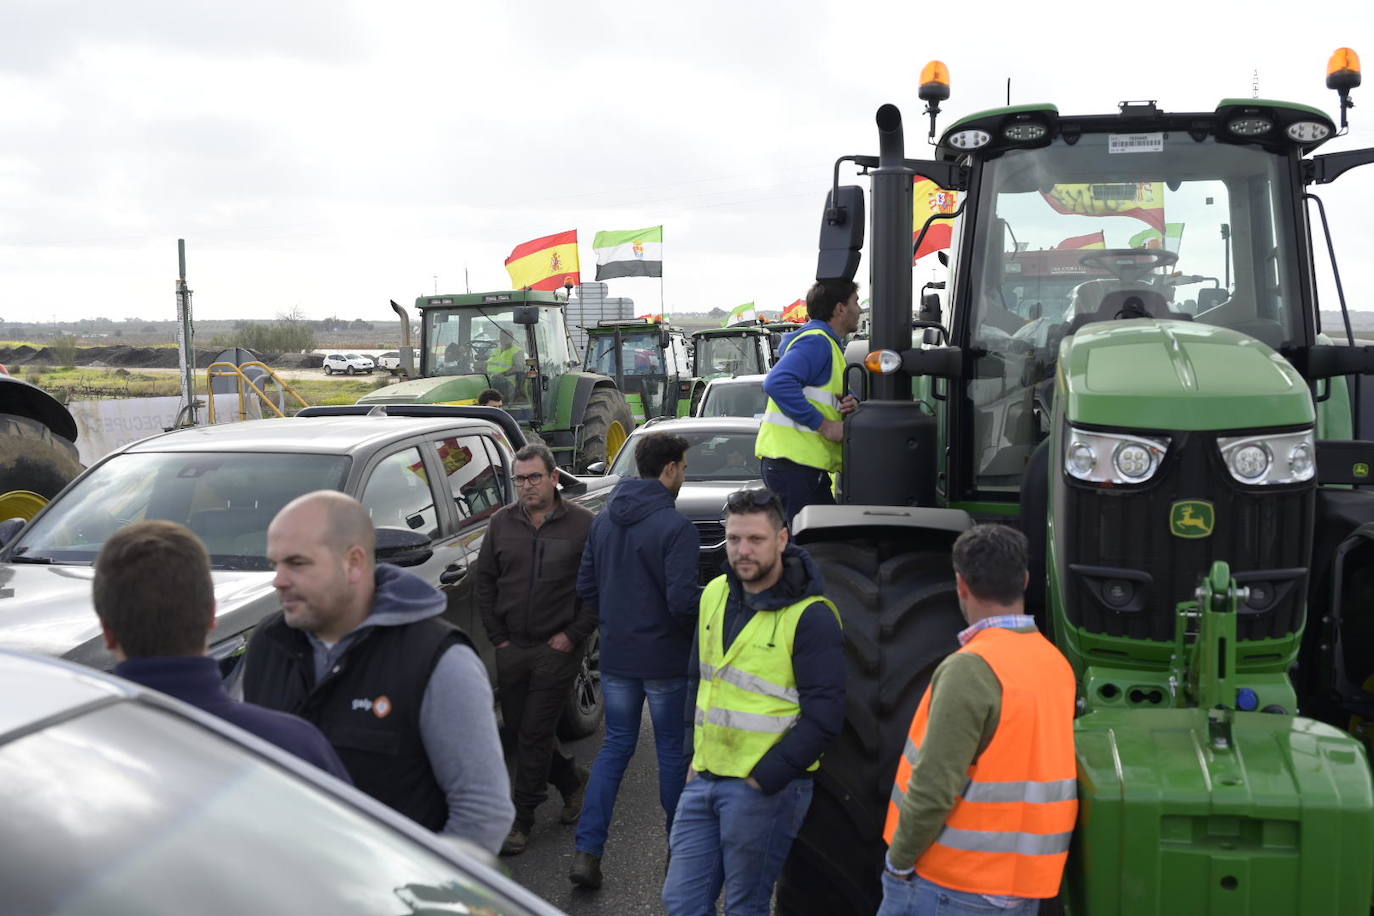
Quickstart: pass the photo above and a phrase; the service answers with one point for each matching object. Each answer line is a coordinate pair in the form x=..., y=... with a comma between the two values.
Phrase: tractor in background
x=1190, y=464
x=731, y=351
x=649, y=361
x=516, y=342
x=38, y=455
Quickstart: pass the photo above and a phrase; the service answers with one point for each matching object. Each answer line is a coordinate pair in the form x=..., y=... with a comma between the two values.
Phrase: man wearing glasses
x=769, y=657
x=525, y=582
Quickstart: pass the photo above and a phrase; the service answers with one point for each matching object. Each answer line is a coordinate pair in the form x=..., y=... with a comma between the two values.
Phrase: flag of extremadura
x=631, y=253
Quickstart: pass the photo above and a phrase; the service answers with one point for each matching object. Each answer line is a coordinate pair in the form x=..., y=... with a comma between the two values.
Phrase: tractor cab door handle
x=453, y=573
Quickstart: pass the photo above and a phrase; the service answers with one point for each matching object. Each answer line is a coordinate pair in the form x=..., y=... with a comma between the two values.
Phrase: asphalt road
x=633, y=863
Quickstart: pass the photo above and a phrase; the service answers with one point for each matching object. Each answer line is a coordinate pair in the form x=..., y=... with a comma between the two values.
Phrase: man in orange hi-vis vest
x=986, y=793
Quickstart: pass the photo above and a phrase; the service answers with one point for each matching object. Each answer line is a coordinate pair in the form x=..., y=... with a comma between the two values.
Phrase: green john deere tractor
x=649, y=361
x=731, y=351
x=517, y=343
x=1187, y=452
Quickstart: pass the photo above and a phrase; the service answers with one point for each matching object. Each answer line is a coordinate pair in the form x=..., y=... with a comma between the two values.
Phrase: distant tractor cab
x=649, y=361
x=517, y=343
x=1133, y=369
x=732, y=351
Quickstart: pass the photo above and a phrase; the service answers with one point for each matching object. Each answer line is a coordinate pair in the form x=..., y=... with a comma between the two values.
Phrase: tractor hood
x=1148, y=374
x=440, y=389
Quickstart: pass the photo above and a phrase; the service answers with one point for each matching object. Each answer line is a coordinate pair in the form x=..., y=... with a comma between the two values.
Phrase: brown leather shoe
x=572, y=802
x=586, y=870
x=515, y=843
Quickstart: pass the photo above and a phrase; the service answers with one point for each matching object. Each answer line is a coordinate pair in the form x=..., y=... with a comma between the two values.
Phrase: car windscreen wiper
x=41, y=561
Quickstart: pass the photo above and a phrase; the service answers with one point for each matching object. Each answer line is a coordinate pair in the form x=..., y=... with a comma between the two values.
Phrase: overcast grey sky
x=333, y=155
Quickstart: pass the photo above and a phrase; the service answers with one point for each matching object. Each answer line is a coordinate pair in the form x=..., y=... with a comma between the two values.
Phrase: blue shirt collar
x=1004, y=621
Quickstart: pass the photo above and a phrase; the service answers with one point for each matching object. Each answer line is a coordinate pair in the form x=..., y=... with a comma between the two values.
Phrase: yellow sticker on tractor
x=1191, y=518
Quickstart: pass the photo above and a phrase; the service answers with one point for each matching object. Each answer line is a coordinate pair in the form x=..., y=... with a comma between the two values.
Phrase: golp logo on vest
x=380, y=707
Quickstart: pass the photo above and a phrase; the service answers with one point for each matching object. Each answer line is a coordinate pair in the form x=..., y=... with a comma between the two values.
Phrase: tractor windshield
x=1115, y=227
x=718, y=355
x=463, y=341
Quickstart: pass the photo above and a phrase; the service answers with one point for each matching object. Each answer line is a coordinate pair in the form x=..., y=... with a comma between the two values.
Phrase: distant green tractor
x=732, y=351
x=517, y=343
x=649, y=361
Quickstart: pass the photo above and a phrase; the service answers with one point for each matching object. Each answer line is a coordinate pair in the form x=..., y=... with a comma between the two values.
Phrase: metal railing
x=242, y=385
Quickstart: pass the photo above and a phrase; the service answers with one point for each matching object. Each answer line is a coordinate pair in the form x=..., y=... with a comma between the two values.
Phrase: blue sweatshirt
x=639, y=570
x=817, y=663
x=805, y=362
x=196, y=680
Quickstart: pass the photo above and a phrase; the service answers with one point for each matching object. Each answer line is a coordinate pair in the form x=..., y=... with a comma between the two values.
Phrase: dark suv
x=431, y=476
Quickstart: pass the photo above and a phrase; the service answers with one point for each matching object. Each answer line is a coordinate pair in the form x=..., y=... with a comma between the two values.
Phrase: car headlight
x=1114, y=458
x=1266, y=460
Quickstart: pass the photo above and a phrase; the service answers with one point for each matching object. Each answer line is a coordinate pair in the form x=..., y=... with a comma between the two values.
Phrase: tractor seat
x=1119, y=304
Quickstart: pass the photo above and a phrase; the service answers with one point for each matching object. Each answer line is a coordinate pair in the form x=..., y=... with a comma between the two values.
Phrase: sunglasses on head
x=756, y=498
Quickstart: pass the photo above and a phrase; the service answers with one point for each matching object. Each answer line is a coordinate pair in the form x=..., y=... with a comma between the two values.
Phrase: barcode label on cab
x=1135, y=143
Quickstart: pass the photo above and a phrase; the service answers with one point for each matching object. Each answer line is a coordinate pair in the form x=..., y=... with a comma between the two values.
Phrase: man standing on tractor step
x=525, y=581
x=640, y=571
x=986, y=793
x=770, y=698
x=802, y=434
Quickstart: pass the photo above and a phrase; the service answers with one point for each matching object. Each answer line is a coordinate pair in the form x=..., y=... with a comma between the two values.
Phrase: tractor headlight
x=1271, y=459
x=1114, y=458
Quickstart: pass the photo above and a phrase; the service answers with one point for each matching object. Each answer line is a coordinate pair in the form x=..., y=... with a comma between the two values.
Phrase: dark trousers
x=533, y=684
x=797, y=485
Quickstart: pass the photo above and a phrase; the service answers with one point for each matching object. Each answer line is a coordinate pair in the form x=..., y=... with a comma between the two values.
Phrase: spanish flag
x=929, y=199
x=796, y=312
x=549, y=263
x=1142, y=200
x=1091, y=240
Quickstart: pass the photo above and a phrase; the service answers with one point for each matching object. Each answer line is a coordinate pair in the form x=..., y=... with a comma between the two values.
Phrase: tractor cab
x=649, y=361
x=731, y=351
x=517, y=343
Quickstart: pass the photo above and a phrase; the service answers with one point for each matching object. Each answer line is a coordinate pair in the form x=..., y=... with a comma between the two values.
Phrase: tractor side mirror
x=930, y=308
x=1211, y=297
x=943, y=257
x=842, y=234
x=665, y=340
x=526, y=314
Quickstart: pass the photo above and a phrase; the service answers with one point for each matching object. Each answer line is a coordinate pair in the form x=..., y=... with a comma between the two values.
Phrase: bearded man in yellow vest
x=986, y=793
x=769, y=661
x=802, y=434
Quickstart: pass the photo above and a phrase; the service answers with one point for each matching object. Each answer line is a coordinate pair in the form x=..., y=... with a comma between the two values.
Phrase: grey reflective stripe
x=1040, y=793
x=1026, y=844
x=750, y=683
x=745, y=721
x=821, y=396
x=778, y=418
x=911, y=751
x=898, y=795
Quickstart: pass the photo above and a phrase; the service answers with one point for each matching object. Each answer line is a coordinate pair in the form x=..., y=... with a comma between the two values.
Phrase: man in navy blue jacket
x=156, y=602
x=639, y=569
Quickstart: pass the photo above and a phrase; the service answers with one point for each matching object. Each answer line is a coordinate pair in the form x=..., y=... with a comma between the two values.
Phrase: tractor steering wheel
x=1128, y=264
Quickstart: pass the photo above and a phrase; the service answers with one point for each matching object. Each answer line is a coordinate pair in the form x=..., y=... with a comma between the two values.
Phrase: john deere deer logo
x=1191, y=518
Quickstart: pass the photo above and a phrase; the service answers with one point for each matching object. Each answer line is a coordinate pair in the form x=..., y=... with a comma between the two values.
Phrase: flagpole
x=660, y=272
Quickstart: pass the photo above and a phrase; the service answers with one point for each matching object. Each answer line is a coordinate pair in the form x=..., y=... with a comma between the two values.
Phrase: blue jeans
x=916, y=896
x=624, y=700
x=729, y=834
x=797, y=485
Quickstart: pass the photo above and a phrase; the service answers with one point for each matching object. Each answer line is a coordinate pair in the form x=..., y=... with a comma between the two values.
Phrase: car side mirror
x=9, y=528
x=401, y=547
x=596, y=467
x=526, y=314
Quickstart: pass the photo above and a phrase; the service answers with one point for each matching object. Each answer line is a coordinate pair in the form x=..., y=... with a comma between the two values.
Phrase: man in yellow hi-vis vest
x=769, y=661
x=506, y=366
x=800, y=438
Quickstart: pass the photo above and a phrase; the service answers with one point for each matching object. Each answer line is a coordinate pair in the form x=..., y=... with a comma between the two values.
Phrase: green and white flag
x=1151, y=238
x=631, y=253
x=743, y=312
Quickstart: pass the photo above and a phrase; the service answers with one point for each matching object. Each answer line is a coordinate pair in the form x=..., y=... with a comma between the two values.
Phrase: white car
x=348, y=364
x=741, y=396
x=391, y=362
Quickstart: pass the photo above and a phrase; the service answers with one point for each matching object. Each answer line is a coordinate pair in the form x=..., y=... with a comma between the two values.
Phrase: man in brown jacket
x=525, y=581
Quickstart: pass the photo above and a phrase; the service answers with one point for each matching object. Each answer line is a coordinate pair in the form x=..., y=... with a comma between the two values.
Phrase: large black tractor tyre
x=900, y=616
x=606, y=423
x=33, y=460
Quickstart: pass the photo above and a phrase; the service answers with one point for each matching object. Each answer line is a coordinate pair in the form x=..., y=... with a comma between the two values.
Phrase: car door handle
x=452, y=573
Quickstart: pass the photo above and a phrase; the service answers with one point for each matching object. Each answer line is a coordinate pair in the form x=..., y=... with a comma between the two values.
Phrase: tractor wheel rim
x=23, y=504
x=615, y=439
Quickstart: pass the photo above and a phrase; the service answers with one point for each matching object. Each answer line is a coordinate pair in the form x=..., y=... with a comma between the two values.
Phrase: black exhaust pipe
x=890, y=276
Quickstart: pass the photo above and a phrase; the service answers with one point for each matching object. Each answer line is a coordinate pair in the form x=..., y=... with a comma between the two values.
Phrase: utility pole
x=186, y=339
